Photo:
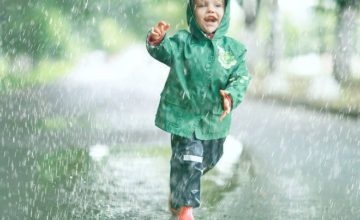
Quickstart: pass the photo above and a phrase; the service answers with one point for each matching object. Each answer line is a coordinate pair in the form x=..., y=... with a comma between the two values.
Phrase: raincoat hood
x=194, y=27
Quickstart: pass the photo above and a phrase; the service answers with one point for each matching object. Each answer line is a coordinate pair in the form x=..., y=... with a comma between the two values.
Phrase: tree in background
x=345, y=38
x=273, y=55
x=275, y=49
x=324, y=25
x=24, y=30
x=53, y=29
x=251, y=12
x=41, y=29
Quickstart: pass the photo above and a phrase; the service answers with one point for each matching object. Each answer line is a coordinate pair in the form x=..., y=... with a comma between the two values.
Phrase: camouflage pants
x=191, y=158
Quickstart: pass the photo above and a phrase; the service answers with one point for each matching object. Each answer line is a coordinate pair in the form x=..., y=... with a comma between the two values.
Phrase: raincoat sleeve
x=238, y=81
x=163, y=51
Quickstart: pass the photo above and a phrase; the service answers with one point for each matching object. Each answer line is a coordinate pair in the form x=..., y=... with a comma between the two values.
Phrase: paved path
x=296, y=163
x=304, y=164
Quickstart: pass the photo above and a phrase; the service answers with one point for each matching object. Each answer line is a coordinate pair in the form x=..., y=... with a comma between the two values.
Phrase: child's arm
x=238, y=82
x=158, y=45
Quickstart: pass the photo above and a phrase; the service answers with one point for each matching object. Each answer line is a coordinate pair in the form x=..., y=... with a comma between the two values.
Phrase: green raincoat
x=199, y=67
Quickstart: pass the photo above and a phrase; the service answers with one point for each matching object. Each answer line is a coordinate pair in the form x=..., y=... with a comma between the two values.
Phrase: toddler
x=208, y=79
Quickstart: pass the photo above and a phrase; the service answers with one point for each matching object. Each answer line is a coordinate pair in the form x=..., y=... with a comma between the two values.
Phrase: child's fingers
x=226, y=104
x=223, y=93
x=163, y=26
x=153, y=37
x=162, y=23
x=157, y=30
x=152, y=32
x=225, y=112
x=223, y=115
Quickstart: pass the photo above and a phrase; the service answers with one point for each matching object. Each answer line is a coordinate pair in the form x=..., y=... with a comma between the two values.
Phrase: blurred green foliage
x=316, y=38
x=348, y=3
x=37, y=34
x=46, y=28
x=63, y=28
x=62, y=167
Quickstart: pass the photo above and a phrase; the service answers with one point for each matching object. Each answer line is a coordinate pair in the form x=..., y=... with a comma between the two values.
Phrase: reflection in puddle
x=295, y=194
x=117, y=182
x=225, y=168
x=101, y=182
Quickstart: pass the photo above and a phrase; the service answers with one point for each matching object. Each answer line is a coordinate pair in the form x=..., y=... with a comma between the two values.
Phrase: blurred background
x=78, y=96
x=307, y=50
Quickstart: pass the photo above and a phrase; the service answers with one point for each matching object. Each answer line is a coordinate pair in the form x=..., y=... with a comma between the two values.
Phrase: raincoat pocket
x=180, y=101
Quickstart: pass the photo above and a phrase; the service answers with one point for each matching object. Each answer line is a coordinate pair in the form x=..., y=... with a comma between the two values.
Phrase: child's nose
x=211, y=8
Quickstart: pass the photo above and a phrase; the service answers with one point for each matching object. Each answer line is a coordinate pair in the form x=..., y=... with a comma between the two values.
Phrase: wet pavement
x=85, y=147
x=306, y=162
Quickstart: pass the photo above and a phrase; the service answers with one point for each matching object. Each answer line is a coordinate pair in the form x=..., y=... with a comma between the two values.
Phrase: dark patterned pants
x=191, y=158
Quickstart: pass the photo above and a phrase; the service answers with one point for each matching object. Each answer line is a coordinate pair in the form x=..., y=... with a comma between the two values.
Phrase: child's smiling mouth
x=210, y=19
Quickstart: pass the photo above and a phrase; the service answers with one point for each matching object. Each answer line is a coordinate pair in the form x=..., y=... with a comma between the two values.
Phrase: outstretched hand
x=226, y=99
x=158, y=31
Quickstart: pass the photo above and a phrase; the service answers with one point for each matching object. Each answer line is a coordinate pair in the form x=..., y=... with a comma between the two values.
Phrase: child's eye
x=218, y=4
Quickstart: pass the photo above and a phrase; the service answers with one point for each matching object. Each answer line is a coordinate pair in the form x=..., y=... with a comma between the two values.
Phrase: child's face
x=208, y=14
